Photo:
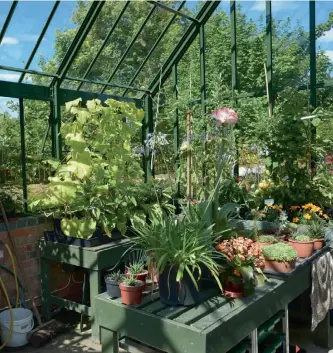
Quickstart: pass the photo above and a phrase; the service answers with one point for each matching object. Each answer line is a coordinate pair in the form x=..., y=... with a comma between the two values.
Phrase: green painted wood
x=23, y=90
x=172, y=312
x=169, y=9
x=27, y=71
x=45, y=286
x=70, y=305
x=147, y=128
x=176, y=140
x=196, y=313
x=110, y=341
x=312, y=48
x=56, y=122
x=23, y=156
x=234, y=75
x=97, y=258
x=155, y=307
x=269, y=44
x=95, y=289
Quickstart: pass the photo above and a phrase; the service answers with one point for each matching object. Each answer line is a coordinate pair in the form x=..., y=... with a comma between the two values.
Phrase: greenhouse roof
x=123, y=77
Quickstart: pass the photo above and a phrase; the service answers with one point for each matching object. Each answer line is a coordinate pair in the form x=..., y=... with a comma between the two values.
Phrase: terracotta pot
x=131, y=295
x=233, y=290
x=318, y=244
x=281, y=267
x=140, y=276
x=303, y=248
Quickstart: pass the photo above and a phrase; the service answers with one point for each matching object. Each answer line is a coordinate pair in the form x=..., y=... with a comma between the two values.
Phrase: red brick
x=33, y=238
x=21, y=240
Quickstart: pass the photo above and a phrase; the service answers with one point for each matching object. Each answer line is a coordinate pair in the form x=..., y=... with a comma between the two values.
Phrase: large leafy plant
x=91, y=184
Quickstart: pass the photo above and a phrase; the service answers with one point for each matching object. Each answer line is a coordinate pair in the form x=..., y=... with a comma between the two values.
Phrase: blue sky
x=30, y=17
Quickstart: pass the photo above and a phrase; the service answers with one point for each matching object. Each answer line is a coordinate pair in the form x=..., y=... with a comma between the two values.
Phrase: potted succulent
x=316, y=231
x=303, y=244
x=137, y=270
x=181, y=248
x=244, y=260
x=131, y=290
x=112, y=281
x=280, y=257
x=267, y=239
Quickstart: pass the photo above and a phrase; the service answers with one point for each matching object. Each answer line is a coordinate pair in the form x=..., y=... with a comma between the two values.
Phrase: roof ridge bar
x=8, y=19
x=182, y=46
x=26, y=71
x=170, y=9
x=154, y=47
x=40, y=38
x=130, y=46
x=104, y=44
x=79, y=38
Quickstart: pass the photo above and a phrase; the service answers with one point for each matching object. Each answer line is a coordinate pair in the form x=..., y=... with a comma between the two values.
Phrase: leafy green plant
x=280, y=252
x=184, y=242
x=268, y=239
x=130, y=281
x=116, y=276
x=135, y=268
x=91, y=186
x=300, y=237
x=316, y=228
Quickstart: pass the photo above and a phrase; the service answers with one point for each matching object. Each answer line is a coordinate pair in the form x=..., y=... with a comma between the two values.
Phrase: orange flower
x=237, y=273
x=325, y=216
x=295, y=220
x=294, y=208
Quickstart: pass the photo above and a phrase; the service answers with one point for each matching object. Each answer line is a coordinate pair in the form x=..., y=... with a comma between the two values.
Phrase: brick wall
x=26, y=233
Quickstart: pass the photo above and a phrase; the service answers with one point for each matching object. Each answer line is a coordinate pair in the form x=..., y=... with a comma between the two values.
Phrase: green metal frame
x=57, y=95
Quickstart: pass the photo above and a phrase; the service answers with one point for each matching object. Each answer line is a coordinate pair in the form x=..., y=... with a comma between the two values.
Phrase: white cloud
x=9, y=41
x=327, y=36
x=260, y=5
x=9, y=77
x=329, y=53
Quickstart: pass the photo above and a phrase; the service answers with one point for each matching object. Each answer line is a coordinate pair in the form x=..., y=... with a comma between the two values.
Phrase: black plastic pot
x=185, y=293
x=112, y=287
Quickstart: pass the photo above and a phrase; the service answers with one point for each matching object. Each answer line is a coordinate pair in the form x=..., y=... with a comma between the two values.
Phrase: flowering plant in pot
x=137, y=270
x=303, y=244
x=280, y=257
x=244, y=261
x=307, y=212
x=131, y=290
x=316, y=231
x=112, y=281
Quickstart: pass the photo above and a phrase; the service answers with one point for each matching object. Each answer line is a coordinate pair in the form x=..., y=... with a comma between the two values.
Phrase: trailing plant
x=280, y=252
x=268, y=239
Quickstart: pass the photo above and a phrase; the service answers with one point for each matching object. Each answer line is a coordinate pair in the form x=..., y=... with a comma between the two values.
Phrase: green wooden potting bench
x=94, y=260
x=216, y=325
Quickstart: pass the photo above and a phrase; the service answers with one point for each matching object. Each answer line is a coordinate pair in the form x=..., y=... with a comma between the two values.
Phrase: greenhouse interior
x=166, y=166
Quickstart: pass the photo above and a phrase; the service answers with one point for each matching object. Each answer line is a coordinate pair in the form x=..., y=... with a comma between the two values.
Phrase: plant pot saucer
x=231, y=294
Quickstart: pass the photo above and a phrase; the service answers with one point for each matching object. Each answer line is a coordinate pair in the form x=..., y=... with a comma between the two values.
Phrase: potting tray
x=300, y=262
x=217, y=325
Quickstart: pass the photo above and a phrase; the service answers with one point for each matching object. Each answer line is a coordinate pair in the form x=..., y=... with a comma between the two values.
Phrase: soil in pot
x=282, y=267
x=185, y=293
x=131, y=295
x=112, y=287
x=303, y=248
x=318, y=244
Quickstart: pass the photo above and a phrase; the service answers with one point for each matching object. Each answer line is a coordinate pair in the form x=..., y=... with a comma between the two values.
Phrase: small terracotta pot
x=233, y=290
x=140, y=276
x=318, y=244
x=303, y=248
x=131, y=295
x=281, y=267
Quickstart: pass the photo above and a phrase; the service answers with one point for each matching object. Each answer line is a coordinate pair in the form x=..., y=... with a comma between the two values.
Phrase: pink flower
x=225, y=116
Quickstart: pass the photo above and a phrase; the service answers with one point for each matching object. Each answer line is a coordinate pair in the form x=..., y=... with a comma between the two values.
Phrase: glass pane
x=324, y=44
x=9, y=75
x=23, y=32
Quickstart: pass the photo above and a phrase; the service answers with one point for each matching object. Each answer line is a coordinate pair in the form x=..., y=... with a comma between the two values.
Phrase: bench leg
x=95, y=289
x=110, y=341
x=45, y=284
x=285, y=324
x=254, y=341
x=321, y=334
